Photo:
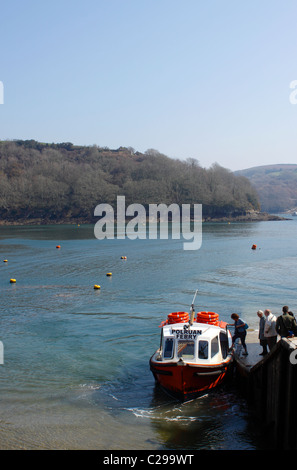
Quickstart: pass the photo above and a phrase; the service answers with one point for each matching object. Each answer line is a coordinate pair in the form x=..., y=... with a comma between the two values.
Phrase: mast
x=192, y=311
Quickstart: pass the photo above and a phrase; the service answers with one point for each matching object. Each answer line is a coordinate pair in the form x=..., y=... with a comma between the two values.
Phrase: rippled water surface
x=76, y=372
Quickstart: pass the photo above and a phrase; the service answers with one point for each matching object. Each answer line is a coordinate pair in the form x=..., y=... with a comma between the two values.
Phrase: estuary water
x=76, y=360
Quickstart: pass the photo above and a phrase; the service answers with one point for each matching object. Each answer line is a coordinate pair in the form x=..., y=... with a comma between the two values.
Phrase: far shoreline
x=254, y=217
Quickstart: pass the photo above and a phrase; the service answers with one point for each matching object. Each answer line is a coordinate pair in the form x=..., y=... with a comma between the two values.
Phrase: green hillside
x=276, y=186
x=49, y=183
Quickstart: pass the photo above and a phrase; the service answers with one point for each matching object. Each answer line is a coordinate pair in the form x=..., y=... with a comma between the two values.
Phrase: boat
x=195, y=354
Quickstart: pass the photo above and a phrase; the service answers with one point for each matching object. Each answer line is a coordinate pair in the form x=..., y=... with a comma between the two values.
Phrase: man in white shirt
x=269, y=329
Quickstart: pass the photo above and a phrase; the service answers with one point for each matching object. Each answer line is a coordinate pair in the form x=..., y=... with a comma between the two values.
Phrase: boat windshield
x=168, y=348
x=203, y=349
x=214, y=346
x=185, y=349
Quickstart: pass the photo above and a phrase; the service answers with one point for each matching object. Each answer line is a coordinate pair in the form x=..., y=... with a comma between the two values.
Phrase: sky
x=208, y=80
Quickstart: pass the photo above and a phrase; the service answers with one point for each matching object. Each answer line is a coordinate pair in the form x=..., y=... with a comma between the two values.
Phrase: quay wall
x=270, y=386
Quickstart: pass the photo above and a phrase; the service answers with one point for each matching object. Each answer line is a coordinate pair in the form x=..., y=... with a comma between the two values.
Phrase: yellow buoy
x=96, y=286
x=5, y=261
x=123, y=257
x=108, y=274
x=12, y=281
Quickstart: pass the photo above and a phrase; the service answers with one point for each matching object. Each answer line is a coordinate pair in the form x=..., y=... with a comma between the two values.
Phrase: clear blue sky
x=193, y=78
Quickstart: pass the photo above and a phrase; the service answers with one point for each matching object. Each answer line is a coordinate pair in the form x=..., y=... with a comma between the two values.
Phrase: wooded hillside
x=276, y=186
x=63, y=182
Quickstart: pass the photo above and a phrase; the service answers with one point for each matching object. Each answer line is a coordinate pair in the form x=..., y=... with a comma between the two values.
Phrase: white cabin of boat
x=198, y=343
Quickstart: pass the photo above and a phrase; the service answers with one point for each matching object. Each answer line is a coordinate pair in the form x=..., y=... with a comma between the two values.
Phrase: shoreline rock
x=251, y=217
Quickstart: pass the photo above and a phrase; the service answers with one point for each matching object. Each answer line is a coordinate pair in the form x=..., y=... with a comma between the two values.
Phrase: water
x=76, y=372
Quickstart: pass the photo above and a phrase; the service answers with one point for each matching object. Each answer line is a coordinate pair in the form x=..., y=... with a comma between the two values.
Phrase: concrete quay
x=270, y=386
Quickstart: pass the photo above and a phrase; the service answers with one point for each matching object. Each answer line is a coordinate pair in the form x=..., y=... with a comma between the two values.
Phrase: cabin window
x=214, y=346
x=224, y=344
x=185, y=349
x=203, y=349
x=168, y=349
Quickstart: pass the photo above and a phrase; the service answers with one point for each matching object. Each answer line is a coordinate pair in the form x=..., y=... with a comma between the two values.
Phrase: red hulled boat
x=194, y=355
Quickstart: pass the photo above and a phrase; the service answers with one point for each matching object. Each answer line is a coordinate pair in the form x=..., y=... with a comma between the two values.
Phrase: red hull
x=188, y=381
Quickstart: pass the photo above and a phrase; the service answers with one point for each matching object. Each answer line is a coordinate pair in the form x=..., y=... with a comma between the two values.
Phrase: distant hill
x=276, y=186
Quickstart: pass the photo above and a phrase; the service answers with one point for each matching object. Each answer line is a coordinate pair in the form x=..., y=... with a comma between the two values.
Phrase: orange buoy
x=254, y=247
x=123, y=257
x=58, y=246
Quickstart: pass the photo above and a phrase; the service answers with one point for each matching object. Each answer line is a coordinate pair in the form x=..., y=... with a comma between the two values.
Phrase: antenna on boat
x=192, y=314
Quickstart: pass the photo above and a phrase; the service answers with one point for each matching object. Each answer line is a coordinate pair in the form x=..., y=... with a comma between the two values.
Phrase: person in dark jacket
x=239, y=331
x=286, y=325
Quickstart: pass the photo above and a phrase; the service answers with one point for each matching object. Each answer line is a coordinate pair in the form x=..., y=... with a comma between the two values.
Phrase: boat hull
x=187, y=381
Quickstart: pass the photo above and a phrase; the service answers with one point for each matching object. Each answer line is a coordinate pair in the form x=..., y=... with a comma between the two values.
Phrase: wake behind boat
x=194, y=355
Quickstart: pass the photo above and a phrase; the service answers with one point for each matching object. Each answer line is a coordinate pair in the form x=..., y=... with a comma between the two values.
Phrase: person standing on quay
x=262, y=339
x=286, y=325
x=269, y=329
